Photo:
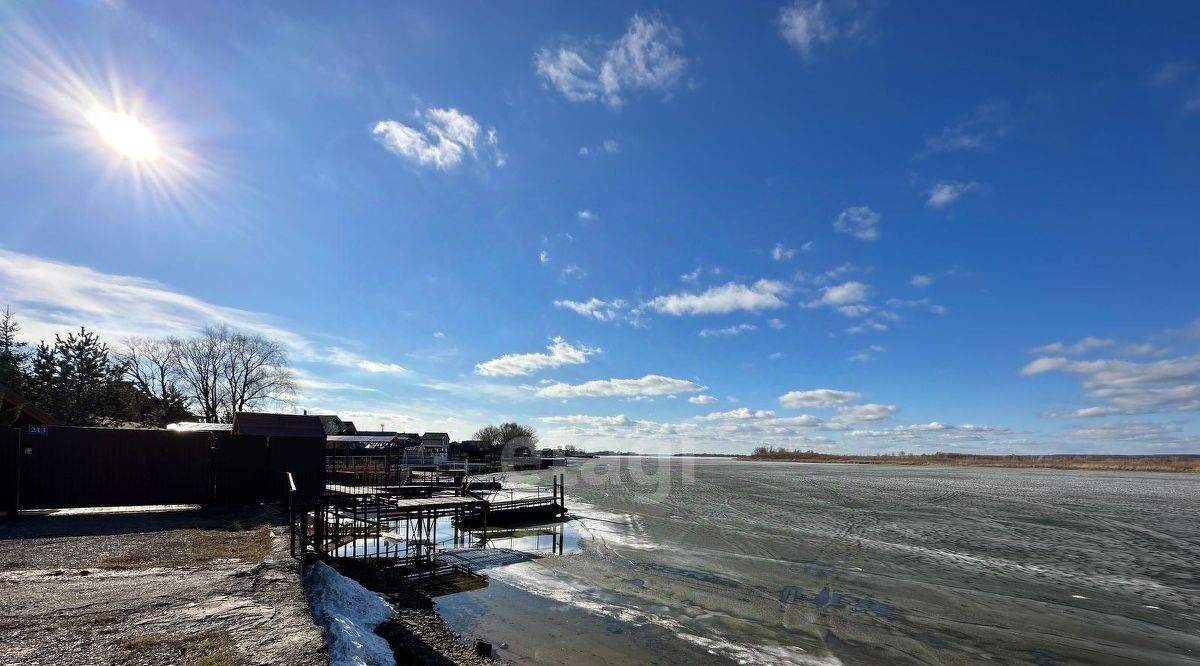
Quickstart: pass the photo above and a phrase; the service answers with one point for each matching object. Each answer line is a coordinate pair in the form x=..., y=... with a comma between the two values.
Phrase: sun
x=124, y=134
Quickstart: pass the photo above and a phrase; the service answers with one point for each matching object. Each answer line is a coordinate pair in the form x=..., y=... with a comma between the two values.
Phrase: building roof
x=281, y=425
x=435, y=435
x=334, y=425
x=27, y=412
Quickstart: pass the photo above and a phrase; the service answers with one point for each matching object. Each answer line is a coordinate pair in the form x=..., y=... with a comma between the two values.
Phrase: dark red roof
x=281, y=425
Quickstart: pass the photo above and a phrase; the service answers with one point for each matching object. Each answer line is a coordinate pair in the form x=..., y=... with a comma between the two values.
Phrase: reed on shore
x=1166, y=463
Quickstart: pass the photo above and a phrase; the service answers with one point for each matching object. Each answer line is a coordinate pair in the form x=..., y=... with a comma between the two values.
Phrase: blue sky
x=850, y=226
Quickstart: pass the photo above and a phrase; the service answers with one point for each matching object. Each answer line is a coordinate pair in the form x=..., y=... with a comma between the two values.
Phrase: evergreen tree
x=77, y=381
x=14, y=353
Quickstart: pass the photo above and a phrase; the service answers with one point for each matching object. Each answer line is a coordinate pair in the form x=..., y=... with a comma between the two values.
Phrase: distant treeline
x=1131, y=463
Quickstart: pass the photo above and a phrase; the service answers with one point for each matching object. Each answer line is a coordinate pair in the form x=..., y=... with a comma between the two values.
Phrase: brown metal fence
x=73, y=467
x=58, y=467
x=241, y=470
x=10, y=469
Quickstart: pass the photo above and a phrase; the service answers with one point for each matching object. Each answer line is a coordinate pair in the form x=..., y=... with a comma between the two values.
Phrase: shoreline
x=418, y=633
x=1176, y=464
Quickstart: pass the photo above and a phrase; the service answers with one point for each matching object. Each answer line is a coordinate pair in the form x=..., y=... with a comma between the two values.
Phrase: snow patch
x=349, y=612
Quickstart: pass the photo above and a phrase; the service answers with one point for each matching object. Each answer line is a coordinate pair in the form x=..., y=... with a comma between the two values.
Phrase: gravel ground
x=181, y=587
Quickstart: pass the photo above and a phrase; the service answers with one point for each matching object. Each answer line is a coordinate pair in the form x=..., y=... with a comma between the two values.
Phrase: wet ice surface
x=797, y=563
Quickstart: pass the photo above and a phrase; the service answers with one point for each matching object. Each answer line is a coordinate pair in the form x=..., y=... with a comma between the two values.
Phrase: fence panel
x=10, y=469
x=75, y=467
x=304, y=457
x=240, y=469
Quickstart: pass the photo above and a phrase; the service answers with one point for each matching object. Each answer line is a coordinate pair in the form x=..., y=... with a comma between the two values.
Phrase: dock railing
x=299, y=533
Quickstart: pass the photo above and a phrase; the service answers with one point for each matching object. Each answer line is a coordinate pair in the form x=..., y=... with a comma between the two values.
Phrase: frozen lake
x=854, y=564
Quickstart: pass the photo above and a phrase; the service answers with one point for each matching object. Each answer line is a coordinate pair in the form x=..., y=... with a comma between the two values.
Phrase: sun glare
x=124, y=134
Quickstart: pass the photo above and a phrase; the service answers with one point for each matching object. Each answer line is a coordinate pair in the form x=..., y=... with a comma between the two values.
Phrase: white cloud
x=868, y=325
x=806, y=24
x=544, y=257
x=817, y=398
x=979, y=132
x=867, y=413
x=727, y=331
x=781, y=253
x=448, y=136
x=609, y=146
x=584, y=419
x=847, y=298
x=573, y=272
x=586, y=215
x=339, y=356
x=776, y=324
x=51, y=297
x=594, y=308
x=645, y=59
x=1118, y=386
x=762, y=295
x=560, y=353
x=847, y=292
x=807, y=246
x=54, y=297
x=866, y=354
x=739, y=414
x=1154, y=435
x=1087, y=344
x=650, y=385
x=923, y=280
x=944, y=193
x=858, y=221
x=933, y=433
x=702, y=399
x=693, y=276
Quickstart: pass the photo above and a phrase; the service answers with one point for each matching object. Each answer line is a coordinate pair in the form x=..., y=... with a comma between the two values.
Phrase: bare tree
x=255, y=371
x=149, y=364
x=224, y=371
x=506, y=432
x=152, y=365
x=199, y=362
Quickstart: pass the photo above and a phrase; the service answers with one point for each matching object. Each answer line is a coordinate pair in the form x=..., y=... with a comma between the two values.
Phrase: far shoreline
x=1177, y=463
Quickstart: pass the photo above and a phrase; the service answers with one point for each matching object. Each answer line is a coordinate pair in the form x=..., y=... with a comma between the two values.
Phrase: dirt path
x=186, y=587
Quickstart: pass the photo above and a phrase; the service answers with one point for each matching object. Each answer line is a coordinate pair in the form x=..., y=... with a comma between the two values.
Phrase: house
x=18, y=411
x=435, y=445
x=278, y=425
x=335, y=426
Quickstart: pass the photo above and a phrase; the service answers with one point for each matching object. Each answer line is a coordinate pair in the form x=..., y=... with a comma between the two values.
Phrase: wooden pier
x=398, y=521
x=542, y=507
